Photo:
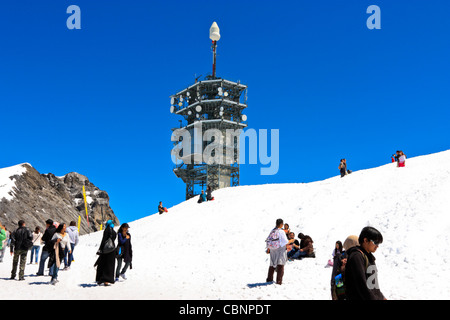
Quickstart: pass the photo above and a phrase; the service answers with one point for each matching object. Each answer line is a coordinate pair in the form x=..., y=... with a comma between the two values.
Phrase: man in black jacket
x=361, y=274
x=20, y=240
x=46, y=238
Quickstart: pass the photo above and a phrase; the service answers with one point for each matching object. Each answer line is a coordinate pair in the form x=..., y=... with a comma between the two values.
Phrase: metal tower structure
x=212, y=112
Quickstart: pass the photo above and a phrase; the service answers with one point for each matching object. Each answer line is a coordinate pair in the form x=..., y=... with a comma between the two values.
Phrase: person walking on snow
x=37, y=236
x=124, y=251
x=72, y=231
x=276, y=247
x=48, y=247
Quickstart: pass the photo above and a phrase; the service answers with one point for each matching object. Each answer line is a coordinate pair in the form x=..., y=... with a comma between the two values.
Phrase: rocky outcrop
x=37, y=197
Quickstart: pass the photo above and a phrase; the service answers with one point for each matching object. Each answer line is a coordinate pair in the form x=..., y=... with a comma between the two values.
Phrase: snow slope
x=215, y=250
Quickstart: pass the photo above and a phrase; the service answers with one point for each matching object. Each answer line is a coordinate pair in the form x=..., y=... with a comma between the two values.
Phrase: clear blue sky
x=96, y=100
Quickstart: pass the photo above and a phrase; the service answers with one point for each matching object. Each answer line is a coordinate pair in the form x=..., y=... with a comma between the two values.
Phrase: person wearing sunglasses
x=361, y=274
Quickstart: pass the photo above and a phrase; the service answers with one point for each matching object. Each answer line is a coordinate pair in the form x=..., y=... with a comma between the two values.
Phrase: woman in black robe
x=107, y=256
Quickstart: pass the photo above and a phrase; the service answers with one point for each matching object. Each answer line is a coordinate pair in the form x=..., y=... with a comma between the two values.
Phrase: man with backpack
x=21, y=242
x=361, y=274
x=276, y=246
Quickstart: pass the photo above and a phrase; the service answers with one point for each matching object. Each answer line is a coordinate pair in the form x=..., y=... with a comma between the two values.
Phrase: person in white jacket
x=277, y=242
x=72, y=230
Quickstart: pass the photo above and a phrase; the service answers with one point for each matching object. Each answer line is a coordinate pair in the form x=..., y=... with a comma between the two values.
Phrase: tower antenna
x=214, y=35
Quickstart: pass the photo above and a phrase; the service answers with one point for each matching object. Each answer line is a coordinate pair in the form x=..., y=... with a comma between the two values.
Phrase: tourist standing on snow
x=60, y=241
x=401, y=159
x=124, y=251
x=72, y=231
x=209, y=196
x=107, y=256
x=361, y=274
x=21, y=240
x=37, y=236
x=339, y=262
x=276, y=247
x=48, y=246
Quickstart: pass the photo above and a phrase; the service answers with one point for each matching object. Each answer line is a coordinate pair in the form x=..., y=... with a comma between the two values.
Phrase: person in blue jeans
x=37, y=236
x=48, y=246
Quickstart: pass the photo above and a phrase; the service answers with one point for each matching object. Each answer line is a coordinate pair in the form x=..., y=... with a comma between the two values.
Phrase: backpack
x=27, y=243
x=273, y=241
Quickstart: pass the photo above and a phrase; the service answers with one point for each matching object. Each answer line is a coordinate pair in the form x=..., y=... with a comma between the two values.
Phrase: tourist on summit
x=209, y=196
x=37, y=236
x=21, y=241
x=48, y=246
x=202, y=197
x=72, y=231
x=3, y=241
x=361, y=274
x=276, y=246
x=60, y=241
x=401, y=159
x=107, y=256
x=124, y=251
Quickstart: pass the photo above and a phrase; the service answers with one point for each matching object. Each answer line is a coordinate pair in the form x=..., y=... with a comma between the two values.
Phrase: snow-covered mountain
x=215, y=250
x=26, y=194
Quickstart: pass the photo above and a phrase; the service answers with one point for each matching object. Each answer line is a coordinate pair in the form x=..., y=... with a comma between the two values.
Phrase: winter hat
x=350, y=242
x=110, y=223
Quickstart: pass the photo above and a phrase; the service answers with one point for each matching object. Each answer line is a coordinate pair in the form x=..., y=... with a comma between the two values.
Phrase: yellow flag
x=79, y=223
x=85, y=205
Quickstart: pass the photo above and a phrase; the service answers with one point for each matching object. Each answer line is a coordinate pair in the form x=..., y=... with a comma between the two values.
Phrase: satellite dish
x=172, y=109
x=172, y=100
x=244, y=117
x=214, y=32
x=181, y=98
x=220, y=113
x=220, y=89
x=198, y=108
x=221, y=108
x=226, y=94
x=180, y=104
x=189, y=112
x=220, y=93
x=188, y=93
x=197, y=115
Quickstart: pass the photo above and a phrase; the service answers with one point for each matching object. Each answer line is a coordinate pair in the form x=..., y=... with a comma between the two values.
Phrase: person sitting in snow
x=202, y=197
x=294, y=245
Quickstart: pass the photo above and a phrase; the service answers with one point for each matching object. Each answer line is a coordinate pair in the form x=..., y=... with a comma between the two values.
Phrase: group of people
x=109, y=253
x=58, y=243
x=399, y=157
x=354, y=275
x=205, y=197
x=282, y=245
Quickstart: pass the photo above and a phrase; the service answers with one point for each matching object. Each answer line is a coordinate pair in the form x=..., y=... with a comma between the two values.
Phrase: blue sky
x=96, y=100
